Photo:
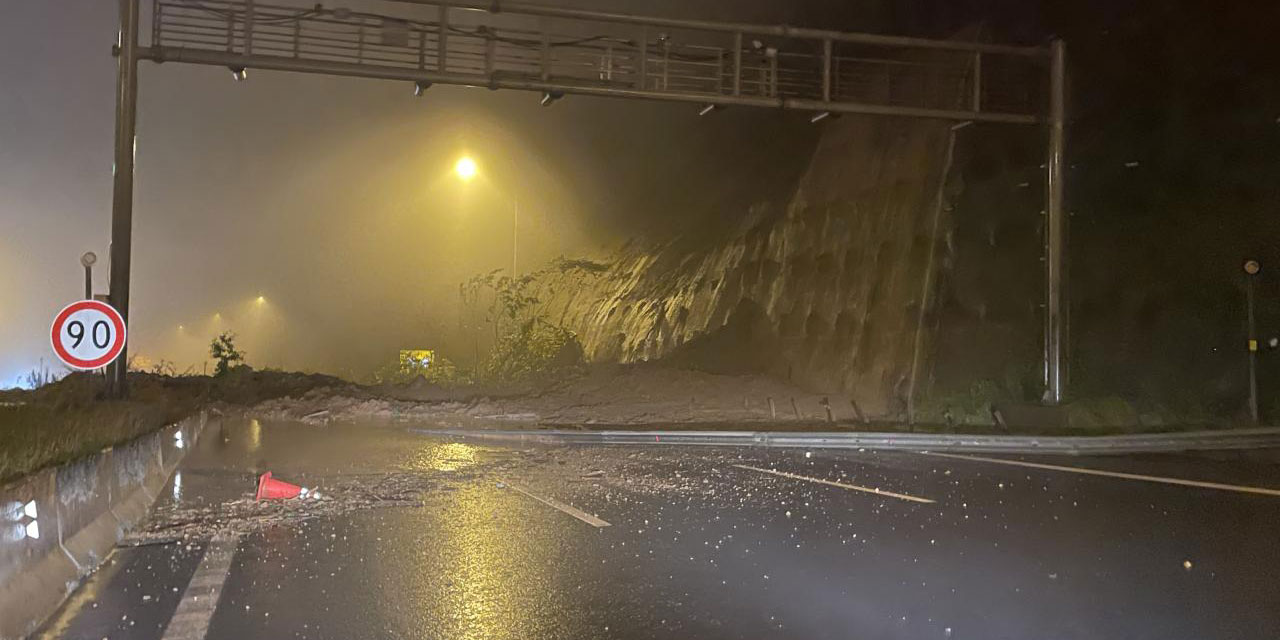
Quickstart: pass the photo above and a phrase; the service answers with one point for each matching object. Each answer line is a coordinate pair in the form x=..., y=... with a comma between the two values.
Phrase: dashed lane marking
x=1113, y=474
x=191, y=620
x=556, y=504
x=842, y=485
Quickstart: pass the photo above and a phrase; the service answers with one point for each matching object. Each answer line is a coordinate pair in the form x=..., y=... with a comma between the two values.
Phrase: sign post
x=88, y=335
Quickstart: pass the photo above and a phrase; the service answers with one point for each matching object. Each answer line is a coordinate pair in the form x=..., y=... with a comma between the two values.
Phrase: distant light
x=466, y=168
x=819, y=117
x=217, y=315
x=182, y=328
x=1252, y=267
x=238, y=73
x=420, y=87
x=262, y=299
x=33, y=530
x=30, y=509
x=708, y=109
x=1131, y=164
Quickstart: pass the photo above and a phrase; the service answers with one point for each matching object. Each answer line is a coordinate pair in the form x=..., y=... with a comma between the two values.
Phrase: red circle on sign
x=104, y=359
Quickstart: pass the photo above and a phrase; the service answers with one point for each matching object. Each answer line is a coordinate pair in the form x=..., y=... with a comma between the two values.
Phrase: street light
x=87, y=260
x=1251, y=269
x=466, y=169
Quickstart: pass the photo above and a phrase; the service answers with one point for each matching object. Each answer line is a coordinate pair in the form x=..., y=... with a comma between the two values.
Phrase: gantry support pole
x=122, y=187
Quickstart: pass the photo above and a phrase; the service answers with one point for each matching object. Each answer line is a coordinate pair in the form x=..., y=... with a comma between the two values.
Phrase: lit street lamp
x=466, y=169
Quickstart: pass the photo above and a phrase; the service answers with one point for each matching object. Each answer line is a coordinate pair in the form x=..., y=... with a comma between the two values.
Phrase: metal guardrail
x=1071, y=445
x=513, y=45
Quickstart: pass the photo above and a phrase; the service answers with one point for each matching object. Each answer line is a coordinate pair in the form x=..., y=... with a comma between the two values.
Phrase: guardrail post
x=360, y=43
x=666, y=64
x=976, y=100
x=442, y=40
x=248, y=27
x=643, y=82
x=422, y=50
x=231, y=33
x=546, y=50
x=826, y=70
x=157, y=13
x=737, y=63
x=490, y=44
x=719, y=71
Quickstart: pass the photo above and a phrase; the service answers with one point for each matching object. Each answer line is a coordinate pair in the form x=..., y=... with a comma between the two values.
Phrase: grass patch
x=70, y=419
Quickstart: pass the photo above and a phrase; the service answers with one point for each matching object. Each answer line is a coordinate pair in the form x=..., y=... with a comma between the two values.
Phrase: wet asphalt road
x=708, y=543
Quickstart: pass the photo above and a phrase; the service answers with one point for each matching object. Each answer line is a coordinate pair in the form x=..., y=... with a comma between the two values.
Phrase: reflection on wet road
x=706, y=543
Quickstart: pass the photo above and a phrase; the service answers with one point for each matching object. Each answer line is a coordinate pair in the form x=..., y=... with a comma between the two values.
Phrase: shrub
x=535, y=349
x=223, y=349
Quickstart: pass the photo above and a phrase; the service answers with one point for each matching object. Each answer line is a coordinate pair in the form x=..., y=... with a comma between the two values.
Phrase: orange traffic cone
x=269, y=489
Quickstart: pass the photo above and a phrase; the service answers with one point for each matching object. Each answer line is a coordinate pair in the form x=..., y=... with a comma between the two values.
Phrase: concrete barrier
x=57, y=525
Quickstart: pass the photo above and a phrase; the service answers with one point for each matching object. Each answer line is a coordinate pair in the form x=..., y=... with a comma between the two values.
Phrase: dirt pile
x=633, y=395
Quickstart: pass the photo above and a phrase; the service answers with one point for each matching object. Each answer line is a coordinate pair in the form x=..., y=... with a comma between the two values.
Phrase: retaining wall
x=82, y=509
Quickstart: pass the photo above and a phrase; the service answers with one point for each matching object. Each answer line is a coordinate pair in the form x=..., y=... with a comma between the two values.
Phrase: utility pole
x=1055, y=228
x=122, y=187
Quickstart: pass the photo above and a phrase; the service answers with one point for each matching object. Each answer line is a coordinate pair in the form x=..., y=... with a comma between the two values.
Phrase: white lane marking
x=1112, y=474
x=556, y=504
x=833, y=483
x=191, y=620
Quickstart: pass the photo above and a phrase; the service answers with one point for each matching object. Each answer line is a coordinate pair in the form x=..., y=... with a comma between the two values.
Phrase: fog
x=330, y=198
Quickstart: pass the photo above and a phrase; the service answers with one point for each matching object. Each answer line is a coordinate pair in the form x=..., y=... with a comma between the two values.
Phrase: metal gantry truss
x=560, y=51
x=531, y=47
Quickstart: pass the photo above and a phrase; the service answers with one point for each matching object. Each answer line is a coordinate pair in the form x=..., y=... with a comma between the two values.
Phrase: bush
x=223, y=349
x=969, y=407
x=535, y=349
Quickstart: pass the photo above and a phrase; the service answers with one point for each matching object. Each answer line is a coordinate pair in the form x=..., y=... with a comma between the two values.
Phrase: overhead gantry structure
x=563, y=51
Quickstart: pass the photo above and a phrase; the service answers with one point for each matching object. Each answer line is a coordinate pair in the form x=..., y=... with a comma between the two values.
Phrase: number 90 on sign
x=88, y=334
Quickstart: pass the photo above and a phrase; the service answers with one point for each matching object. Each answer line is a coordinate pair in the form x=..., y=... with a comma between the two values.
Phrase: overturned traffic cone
x=271, y=489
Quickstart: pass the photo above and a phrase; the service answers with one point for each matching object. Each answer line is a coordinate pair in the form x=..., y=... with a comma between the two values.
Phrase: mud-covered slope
x=826, y=292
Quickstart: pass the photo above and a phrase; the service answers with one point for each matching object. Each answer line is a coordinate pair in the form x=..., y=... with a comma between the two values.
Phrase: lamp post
x=466, y=169
x=1251, y=269
x=87, y=260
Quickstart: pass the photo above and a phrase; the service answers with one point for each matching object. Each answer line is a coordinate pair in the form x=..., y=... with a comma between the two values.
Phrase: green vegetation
x=520, y=343
x=223, y=349
x=71, y=418
x=525, y=344
x=533, y=349
x=65, y=420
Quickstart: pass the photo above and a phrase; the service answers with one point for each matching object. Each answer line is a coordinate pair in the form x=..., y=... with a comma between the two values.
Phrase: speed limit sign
x=88, y=334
